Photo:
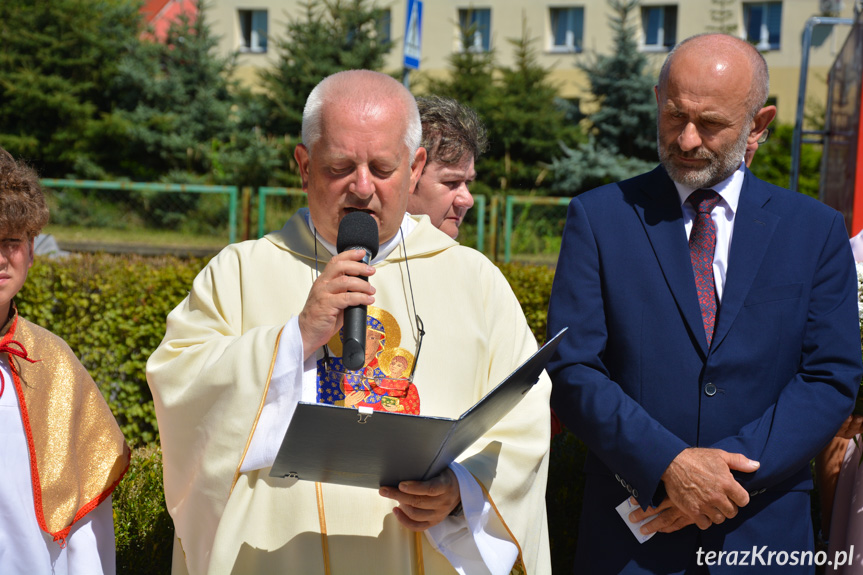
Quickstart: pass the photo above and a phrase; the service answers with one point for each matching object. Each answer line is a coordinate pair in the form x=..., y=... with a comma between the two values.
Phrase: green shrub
x=111, y=311
x=532, y=287
x=143, y=529
x=563, y=497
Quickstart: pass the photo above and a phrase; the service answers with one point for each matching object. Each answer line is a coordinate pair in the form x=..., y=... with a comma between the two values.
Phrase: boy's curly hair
x=22, y=203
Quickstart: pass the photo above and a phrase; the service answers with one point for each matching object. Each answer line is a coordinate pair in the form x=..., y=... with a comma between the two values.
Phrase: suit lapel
x=753, y=229
x=662, y=218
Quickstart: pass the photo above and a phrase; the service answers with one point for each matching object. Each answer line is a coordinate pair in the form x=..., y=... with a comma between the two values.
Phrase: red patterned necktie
x=702, y=245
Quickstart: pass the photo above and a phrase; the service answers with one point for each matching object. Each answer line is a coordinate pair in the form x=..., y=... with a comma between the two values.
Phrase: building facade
x=566, y=32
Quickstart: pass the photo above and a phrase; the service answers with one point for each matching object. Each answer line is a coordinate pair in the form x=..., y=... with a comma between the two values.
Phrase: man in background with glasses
x=260, y=332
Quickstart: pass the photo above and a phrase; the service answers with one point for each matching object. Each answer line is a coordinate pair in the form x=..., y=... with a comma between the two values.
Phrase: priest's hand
x=667, y=518
x=338, y=287
x=700, y=484
x=424, y=504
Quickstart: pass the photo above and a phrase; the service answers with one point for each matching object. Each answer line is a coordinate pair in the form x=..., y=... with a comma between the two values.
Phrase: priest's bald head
x=360, y=151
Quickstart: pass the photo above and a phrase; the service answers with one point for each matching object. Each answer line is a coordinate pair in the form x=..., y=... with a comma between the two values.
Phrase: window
x=567, y=29
x=253, y=28
x=763, y=24
x=384, y=25
x=659, y=26
x=475, y=26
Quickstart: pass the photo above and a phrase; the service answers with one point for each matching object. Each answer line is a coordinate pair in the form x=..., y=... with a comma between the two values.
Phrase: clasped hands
x=700, y=489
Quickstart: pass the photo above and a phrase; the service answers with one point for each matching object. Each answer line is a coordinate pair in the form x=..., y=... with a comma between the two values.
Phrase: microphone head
x=358, y=230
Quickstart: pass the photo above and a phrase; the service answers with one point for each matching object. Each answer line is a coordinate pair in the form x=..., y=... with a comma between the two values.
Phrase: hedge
x=111, y=310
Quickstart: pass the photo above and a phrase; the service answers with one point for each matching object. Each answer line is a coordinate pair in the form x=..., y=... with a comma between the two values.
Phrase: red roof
x=151, y=8
x=160, y=13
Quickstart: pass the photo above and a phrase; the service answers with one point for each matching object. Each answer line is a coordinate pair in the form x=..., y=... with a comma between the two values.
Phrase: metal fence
x=182, y=219
x=89, y=215
x=266, y=220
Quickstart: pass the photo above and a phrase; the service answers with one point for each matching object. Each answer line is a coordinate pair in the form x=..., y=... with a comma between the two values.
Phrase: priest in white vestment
x=254, y=337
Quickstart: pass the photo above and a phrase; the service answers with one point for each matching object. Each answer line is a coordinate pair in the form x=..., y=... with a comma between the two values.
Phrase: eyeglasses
x=764, y=135
x=377, y=379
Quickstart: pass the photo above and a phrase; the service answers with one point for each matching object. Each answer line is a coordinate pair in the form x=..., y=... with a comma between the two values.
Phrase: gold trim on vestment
x=77, y=452
x=325, y=546
x=418, y=543
x=518, y=567
x=260, y=409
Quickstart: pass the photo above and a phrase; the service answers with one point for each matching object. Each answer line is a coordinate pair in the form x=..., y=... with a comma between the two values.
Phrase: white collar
x=407, y=226
x=729, y=188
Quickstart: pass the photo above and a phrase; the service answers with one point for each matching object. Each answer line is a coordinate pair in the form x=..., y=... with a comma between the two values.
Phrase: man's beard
x=719, y=167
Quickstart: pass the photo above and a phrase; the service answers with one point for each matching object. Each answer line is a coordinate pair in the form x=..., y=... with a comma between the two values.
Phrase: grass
x=136, y=237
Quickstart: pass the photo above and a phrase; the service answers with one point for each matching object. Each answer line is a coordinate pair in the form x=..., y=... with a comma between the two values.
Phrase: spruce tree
x=175, y=99
x=330, y=36
x=529, y=126
x=56, y=62
x=519, y=106
x=622, y=85
x=722, y=14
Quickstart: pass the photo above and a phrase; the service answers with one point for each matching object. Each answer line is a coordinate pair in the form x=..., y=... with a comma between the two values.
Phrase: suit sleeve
x=612, y=424
x=823, y=390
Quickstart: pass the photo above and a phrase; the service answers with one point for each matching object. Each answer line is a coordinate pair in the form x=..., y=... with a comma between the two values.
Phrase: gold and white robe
x=210, y=378
x=63, y=456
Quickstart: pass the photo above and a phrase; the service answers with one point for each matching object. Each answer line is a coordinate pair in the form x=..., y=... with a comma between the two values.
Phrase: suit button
x=710, y=389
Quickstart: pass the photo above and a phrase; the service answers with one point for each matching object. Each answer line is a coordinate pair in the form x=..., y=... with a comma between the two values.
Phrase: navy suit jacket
x=635, y=380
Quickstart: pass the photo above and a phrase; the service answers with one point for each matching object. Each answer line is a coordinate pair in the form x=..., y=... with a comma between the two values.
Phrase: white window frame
x=384, y=26
x=659, y=46
x=569, y=46
x=478, y=41
x=254, y=40
x=763, y=44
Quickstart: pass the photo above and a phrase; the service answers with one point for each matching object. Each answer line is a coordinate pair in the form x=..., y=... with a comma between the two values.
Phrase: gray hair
x=364, y=88
x=760, y=88
x=451, y=131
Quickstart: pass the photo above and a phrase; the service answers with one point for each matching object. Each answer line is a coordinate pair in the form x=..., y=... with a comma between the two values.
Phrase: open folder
x=367, y=448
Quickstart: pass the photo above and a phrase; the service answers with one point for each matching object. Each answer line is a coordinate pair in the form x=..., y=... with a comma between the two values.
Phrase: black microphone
x=357, y=231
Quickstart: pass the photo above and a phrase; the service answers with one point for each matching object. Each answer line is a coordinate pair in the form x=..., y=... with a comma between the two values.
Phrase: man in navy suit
x=703, y=379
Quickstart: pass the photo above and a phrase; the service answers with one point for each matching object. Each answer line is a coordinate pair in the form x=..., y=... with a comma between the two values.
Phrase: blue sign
x=413, y=34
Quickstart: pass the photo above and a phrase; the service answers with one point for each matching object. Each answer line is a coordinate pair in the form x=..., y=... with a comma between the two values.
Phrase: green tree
x=622, y=86
x=174, y=98
x=330, y=36
x=772, y=161
x=722, y=14
x=184, y=120
x=520, y=108
x=56, y=61
x=586, y=166
x=528, y=126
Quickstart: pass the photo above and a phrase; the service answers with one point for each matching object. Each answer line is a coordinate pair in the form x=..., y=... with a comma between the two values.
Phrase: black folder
x=366, y=448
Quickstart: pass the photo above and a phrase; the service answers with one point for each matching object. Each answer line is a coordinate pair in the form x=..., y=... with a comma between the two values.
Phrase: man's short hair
x=451, y=131
x=364, y=86
x=22, y=203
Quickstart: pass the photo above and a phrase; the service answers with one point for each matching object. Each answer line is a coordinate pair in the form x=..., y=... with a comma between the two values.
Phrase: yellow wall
x=441, y=38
